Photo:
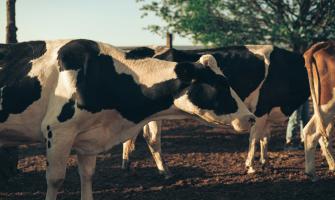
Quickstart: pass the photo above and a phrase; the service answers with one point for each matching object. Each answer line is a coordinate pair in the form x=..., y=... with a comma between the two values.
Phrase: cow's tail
x=315, y=88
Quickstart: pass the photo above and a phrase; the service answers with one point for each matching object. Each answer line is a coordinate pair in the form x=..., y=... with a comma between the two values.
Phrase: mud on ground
x=207, y=163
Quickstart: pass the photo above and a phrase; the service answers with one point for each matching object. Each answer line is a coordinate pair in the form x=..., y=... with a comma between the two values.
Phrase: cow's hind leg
x=58, y=151
x=327, y=147
x=152, y=135
x=128, y=149
x=310, y=142
x=255, y=134
x=86, y=168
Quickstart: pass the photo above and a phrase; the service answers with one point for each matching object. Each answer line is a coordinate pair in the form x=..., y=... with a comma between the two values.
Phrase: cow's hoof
x=251, y=170
x=331, y=172
x=313, y=177
x=125, y=165
x=166, y=174
x=265, y=165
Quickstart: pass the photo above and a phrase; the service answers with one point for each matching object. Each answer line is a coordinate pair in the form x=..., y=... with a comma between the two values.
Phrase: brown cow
x=320, y=64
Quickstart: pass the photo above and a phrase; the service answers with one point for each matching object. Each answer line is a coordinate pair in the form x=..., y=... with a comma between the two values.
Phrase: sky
x=117, y=22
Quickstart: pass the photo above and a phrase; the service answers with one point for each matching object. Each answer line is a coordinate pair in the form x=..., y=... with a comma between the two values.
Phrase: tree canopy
x=292, y=23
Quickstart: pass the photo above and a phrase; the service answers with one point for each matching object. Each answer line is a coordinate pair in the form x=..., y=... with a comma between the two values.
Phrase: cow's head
x=209, y=95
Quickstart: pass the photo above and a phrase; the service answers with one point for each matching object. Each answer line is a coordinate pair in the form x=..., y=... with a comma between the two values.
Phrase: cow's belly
x=111, y=130
x=276, y=116
x=23, y=128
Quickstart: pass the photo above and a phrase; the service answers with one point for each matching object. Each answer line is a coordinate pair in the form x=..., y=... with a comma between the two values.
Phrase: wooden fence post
x=169, y=39
x=11, y=27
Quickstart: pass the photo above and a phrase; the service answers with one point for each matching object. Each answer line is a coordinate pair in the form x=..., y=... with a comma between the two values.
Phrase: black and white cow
x=88, y=96
x=271, y=81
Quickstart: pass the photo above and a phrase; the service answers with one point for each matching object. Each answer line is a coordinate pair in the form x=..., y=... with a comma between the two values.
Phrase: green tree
x=292, y=23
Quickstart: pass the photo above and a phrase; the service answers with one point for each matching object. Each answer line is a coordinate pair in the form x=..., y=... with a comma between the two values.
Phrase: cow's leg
x=264, y=145
x=310, y=142
x=327, y=147
x=128, y=149
x=255, y=134
x=264, y=150
x=152, y=134
x=327, y=152
x=86, y=168
x=309, y=127
x=58, y=150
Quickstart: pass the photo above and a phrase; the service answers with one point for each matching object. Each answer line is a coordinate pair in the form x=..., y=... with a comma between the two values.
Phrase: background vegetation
x=291, y=23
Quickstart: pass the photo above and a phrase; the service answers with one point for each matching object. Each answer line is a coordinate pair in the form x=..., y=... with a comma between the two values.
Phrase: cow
x=87, y=96
x=272, y=82
x=320, y=64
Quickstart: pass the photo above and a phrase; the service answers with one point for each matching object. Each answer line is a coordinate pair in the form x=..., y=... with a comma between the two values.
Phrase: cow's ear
x=185, y=71
x=140, y=53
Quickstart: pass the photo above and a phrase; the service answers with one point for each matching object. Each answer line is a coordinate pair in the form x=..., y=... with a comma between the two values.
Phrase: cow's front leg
x=251, y=152
x=255, y=133
x=152, y=135
x=264, y=141
x=128, y=149
x=86, y=168
x=58, y=151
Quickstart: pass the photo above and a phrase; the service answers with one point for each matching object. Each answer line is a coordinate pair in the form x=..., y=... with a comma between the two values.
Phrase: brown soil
x=207, y=163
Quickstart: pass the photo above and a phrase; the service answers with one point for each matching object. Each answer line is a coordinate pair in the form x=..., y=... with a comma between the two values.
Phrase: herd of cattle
x=90, y=96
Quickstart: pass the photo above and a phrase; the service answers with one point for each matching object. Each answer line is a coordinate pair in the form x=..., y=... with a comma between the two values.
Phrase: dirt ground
x=207, y=163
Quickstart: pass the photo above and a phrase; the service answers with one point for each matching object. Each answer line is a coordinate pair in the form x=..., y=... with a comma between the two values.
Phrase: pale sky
x=117, y=22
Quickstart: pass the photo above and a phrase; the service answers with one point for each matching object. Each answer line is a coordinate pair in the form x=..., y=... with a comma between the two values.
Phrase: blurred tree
x=292, y=23
x=9, y=155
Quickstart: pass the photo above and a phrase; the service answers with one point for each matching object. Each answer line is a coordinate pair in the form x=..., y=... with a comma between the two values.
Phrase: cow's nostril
x=252, y=120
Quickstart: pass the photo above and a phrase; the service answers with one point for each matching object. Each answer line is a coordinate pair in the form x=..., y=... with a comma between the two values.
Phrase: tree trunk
x=9, y=155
